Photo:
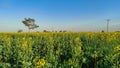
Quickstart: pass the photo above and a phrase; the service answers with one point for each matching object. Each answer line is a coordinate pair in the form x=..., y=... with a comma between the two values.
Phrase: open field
x=60, y=50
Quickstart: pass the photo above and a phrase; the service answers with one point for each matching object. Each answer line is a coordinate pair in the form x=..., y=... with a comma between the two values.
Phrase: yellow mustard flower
x=117, y=48
x=24, y=45
x=41, y=62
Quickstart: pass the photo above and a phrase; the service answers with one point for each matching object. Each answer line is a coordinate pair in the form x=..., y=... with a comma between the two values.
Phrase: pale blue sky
x=71, y=15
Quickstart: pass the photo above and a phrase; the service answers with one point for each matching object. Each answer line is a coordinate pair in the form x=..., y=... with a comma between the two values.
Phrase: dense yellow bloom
x=41, y=62
x=117, y=48
x=24, y=44
x=74, y=47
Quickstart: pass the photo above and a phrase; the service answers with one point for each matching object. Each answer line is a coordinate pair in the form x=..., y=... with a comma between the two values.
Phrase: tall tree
x=30, y=23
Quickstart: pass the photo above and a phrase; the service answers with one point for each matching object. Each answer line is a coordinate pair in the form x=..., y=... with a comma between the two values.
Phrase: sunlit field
x=60, y=50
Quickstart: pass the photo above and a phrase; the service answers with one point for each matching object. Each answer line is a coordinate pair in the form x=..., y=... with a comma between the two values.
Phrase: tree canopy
x=30, y=23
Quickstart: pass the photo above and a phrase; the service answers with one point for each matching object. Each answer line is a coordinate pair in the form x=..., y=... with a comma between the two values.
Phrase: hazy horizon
x=70, y=15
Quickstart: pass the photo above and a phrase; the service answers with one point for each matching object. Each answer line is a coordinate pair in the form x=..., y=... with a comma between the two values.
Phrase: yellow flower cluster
x=117, y=48
x=24, y=45
x=41, y=63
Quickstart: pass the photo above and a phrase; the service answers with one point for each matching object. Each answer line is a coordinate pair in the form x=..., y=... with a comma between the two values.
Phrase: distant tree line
x=55, y=31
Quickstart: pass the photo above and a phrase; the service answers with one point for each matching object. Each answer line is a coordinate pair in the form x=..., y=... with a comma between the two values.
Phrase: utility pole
x=108, y=20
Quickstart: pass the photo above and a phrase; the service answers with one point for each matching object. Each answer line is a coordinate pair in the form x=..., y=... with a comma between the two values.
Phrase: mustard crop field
x=60, y=50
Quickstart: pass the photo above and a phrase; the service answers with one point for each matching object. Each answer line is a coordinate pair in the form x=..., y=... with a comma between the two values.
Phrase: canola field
x=60, y=50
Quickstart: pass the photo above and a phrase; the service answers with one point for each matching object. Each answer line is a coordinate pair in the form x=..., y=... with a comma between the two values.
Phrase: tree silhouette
x=30, y=23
